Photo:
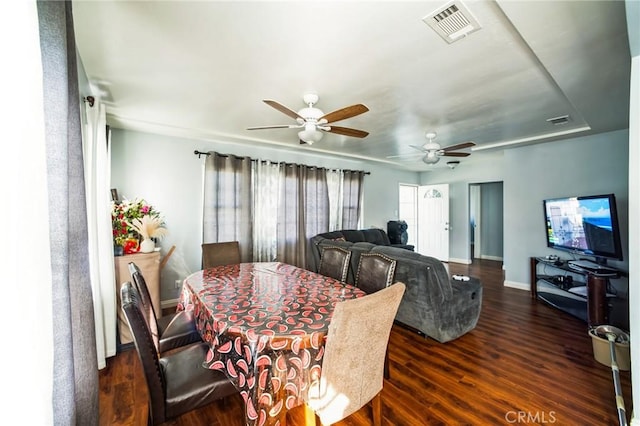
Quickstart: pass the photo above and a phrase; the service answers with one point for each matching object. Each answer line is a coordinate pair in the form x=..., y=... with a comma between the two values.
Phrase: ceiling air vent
x=452, y=22
x=563, y=119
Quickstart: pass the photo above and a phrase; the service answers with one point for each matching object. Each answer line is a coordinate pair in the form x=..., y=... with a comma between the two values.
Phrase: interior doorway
x=486, y=221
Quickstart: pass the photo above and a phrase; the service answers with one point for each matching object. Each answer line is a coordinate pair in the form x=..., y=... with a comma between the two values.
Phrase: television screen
x=584, y=225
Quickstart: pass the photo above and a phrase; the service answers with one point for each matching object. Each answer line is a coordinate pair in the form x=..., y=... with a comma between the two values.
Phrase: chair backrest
x=334, y=262
x=147, y=304
x=219, y=254
x=375, y=272
x=353, y=364
x=146, y=348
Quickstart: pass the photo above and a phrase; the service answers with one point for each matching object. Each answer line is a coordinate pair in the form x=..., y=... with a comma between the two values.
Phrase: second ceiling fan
x=314, y=122
x=433, y=151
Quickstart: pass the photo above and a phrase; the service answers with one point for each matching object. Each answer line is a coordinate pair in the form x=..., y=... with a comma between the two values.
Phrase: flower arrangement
x=127, y=225
x=149, y=227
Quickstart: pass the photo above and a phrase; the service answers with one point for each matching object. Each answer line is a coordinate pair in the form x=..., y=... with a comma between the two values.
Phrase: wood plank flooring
x=525, y=363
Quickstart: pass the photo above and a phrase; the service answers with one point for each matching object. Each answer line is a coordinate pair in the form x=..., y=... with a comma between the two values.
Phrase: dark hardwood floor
x=525, y=363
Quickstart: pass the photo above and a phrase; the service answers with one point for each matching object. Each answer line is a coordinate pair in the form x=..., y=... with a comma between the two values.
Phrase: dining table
x=266, y=325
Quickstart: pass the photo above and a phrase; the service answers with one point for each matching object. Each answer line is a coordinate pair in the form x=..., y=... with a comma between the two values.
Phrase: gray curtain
x=303, y=211
x=75, y=381
x=352, y=198
x=228, y=214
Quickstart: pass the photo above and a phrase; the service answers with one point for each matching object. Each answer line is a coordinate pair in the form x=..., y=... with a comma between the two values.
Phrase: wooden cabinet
x=149, y=264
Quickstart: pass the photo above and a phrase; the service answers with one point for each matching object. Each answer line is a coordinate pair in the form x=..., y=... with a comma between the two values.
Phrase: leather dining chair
x=334, y=263
x=375, y=272
x=176, y=383
x=353, y=363
x=219, y=254
x=172, y=331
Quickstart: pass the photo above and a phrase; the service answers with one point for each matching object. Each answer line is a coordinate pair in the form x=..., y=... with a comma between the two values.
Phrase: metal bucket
x=601, y=350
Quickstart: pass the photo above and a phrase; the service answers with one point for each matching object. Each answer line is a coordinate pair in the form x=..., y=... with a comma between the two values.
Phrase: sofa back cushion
x=353, y=235
x=408, y=261
x=376, y=236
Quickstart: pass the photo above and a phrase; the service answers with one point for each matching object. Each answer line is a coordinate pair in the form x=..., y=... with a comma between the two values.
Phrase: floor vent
x=452, y=22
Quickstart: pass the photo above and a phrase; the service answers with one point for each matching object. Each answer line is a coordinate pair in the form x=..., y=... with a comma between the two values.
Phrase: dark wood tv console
x=583, y=295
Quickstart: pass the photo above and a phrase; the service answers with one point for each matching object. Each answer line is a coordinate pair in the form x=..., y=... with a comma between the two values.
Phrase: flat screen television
x=584, y=225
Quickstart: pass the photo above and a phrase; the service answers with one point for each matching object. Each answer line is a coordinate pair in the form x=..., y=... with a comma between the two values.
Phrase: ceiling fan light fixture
x=431, y=158
x=310, y=134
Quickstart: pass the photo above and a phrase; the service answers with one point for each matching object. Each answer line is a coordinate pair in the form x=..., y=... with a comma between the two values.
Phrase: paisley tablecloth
x=266, y=325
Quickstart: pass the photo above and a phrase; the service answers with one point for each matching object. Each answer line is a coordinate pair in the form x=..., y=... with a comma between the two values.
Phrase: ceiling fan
x=314, y=122
x=433, y=151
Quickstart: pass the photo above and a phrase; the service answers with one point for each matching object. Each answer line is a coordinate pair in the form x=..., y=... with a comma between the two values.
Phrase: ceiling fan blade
x=455, y=154
x=283, y=109
x=348, y=132
x=462, y=145
x=279, y=126
x=344, y=113
x=418, y=147
x=406, y=156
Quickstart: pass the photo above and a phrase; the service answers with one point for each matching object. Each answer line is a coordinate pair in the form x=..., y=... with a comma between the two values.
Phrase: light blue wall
x=580, y=166
x=164, y=171
x=590, y=165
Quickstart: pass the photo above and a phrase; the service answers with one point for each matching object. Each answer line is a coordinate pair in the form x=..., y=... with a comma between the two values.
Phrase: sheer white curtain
x=97, y=172
x=334, y=186
x=352, y=193
x=266, y=181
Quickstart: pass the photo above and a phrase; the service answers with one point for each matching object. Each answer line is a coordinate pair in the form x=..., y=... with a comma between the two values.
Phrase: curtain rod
x=199, y=153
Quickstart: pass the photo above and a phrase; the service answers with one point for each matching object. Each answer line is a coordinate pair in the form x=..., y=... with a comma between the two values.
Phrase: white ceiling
x=201, y=69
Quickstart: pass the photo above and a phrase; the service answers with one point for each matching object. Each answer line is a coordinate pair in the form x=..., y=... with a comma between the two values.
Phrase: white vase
x=147, y=245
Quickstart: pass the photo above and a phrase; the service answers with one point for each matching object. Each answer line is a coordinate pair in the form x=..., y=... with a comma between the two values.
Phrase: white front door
x=433, y=213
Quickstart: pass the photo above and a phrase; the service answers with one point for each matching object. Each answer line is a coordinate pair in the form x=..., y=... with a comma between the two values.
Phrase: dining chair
x=170, y=331
x=375, y=272
x=219, y=254
x=176, y=383
x=334, y=263
x=354, y=353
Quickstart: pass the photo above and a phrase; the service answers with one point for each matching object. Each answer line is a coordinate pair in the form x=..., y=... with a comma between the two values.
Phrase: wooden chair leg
x=376, y=409
x=387, y=375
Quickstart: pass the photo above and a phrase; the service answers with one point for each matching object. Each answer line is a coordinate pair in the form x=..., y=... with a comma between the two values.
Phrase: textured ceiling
x=202, y=69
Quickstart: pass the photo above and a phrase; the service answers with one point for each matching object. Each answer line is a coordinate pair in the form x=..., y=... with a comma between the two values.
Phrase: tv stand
x=583, y=295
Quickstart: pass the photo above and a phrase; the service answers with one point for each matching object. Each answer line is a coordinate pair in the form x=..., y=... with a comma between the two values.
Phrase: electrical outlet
x=178, y=284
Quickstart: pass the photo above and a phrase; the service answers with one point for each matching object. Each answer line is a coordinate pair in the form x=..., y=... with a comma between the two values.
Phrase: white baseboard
x=517, y=285
x=171, y=303
x=487, y=257
x=463, y=261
